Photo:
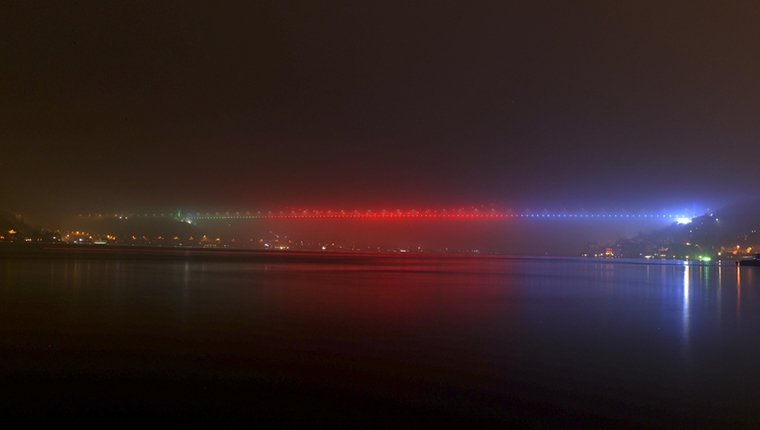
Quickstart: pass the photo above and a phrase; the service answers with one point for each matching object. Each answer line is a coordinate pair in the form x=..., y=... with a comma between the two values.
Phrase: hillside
x=732, y=229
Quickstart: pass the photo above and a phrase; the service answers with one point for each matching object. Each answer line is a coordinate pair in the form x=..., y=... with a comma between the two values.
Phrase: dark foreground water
x=381, y=342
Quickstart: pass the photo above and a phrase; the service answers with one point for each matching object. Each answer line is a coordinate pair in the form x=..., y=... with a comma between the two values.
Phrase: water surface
x=382, y=341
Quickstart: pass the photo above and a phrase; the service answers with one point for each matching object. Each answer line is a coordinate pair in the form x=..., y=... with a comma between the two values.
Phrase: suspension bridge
x=402, y=214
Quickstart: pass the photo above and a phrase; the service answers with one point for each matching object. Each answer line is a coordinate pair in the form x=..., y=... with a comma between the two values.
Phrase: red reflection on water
x=392, y=294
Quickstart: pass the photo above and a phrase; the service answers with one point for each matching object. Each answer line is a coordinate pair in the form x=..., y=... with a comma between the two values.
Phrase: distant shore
x=66, y=251
x=159, y=253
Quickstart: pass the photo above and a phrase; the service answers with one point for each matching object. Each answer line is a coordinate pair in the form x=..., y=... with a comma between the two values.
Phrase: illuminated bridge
x=405, y=214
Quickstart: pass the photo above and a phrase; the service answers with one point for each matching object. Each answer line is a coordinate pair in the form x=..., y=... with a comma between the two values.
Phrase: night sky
x=115, y=105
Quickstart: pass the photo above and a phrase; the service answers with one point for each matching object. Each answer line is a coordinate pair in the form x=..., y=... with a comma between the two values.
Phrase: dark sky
x=112, y=105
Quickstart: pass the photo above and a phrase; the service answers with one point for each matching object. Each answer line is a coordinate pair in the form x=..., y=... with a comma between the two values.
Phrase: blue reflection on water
x=685, y=307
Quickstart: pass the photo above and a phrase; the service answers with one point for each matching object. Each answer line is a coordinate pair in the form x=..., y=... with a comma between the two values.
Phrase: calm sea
x=382, y=342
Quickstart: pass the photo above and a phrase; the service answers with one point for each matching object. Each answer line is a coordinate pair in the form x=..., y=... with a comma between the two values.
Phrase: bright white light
x=683, y=220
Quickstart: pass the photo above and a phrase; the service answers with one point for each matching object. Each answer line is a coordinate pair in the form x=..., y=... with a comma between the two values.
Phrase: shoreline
x=158, y=253
x=67, y=251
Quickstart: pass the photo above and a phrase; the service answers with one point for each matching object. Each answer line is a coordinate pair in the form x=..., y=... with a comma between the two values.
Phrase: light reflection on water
x=685, y=307
x=504, y=340
x=738, y=292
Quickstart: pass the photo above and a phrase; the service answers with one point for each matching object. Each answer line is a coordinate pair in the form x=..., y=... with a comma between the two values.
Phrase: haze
x=111, y=106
